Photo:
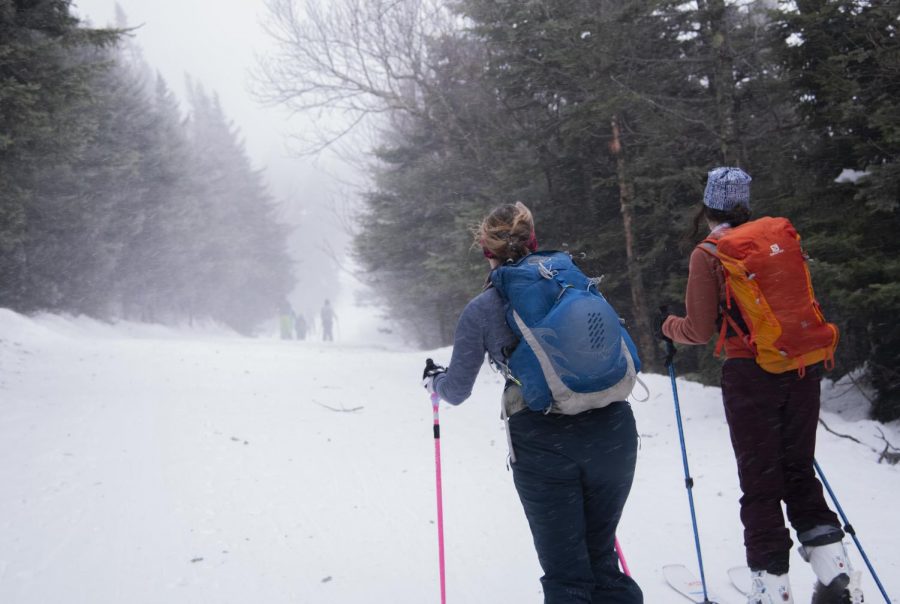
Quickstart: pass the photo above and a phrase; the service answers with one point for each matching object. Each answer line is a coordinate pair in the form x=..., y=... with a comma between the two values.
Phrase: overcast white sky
x=216, y=43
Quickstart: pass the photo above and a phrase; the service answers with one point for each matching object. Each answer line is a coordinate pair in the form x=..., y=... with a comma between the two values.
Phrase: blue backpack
x=573, y=353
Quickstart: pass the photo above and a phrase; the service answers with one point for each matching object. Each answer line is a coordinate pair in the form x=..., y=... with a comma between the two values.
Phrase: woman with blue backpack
x=573, y=440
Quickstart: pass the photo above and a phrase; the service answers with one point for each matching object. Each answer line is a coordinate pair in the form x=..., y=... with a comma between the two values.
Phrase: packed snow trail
x=147, y=465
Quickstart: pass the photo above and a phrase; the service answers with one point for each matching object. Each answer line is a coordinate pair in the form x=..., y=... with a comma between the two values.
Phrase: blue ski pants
x=573, y=474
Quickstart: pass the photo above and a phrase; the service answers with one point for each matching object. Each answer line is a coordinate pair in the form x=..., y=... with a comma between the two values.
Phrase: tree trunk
x=721, y=78
x=644, y=332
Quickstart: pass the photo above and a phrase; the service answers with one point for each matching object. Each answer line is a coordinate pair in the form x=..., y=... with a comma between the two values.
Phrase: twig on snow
x=892, y=457
x=890, y=454
x=853, y=438
x=341, y=410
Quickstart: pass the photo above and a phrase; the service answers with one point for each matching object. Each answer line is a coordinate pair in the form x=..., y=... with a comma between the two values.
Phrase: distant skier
x=286, y=321
x=770, y=385
x=300, y=327
x=328, y=319
x=573, y=457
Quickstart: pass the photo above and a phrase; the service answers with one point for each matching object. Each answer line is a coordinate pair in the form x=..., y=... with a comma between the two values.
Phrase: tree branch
x=341, y=410
x=890, y=453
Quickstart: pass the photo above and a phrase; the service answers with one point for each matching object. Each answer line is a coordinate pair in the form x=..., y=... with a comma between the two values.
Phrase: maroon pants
x=773, y=419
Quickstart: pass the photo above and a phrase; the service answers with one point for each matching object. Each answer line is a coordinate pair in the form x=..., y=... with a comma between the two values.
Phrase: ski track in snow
x=147, y=465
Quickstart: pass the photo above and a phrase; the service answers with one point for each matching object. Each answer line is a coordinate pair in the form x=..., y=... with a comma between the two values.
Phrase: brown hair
x=735, y=217
x=507, y=232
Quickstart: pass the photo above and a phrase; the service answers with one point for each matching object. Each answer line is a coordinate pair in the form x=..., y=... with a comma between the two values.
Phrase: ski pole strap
x=646, y=390
x=505, y=417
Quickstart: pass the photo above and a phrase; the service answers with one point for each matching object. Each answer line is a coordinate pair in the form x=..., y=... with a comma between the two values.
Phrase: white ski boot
x=838, y=583
x=770, y=589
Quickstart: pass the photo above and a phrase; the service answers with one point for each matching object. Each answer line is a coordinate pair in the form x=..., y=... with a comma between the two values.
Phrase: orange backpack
x=766, y=275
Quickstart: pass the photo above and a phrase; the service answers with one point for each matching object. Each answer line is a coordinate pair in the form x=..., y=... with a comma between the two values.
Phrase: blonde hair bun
x=507, y=233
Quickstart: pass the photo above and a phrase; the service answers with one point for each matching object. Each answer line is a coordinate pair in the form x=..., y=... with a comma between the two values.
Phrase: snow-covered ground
x=140, y=464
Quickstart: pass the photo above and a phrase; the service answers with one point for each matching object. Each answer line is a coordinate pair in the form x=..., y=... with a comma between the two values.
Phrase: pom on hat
x=727, y=188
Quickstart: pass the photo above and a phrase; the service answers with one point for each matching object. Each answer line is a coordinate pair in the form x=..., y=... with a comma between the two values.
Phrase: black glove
x=661, y=317
x=431, y=370
x=658, y=332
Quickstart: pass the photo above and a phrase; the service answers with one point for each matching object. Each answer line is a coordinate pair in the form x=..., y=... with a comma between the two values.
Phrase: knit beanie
x=727, y=188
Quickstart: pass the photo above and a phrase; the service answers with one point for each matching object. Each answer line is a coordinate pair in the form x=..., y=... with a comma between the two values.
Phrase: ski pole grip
x=670, y=346
x=430, y=368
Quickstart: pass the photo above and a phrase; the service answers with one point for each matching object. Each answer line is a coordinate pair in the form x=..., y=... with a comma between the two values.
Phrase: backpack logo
x=776, y=249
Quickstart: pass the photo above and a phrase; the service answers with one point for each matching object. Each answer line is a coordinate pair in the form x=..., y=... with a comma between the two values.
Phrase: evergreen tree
x=153, y=275
x=93, y=202
x=436, y=177
x=240, y=267
x=842, y=58
x=109, y=208
x=44, y=69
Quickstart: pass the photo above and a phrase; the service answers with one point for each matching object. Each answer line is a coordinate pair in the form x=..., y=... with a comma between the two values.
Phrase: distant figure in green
x=286, y=321
x=328, y=319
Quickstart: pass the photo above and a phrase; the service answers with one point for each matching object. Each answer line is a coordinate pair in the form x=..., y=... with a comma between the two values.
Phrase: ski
x=687, y=584
x=740, y=579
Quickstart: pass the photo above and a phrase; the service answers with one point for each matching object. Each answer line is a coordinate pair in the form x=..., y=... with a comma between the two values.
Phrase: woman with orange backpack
x=748, y=282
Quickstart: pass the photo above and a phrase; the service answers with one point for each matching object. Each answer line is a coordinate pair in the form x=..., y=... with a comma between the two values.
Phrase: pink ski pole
x=622, y=559
x=435, y=401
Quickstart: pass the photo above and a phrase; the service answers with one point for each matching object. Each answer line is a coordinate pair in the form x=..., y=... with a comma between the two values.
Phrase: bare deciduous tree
x=347, y=60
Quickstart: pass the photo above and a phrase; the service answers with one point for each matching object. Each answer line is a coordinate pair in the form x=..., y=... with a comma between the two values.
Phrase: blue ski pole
x=688, y=481
x=848, y=528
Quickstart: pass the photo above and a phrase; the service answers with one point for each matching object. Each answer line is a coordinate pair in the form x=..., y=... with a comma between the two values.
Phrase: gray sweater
x=481, y=329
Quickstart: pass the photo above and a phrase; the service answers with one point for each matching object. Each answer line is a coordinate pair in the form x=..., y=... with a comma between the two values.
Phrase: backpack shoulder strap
x=728, y=324
x=710, y=246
